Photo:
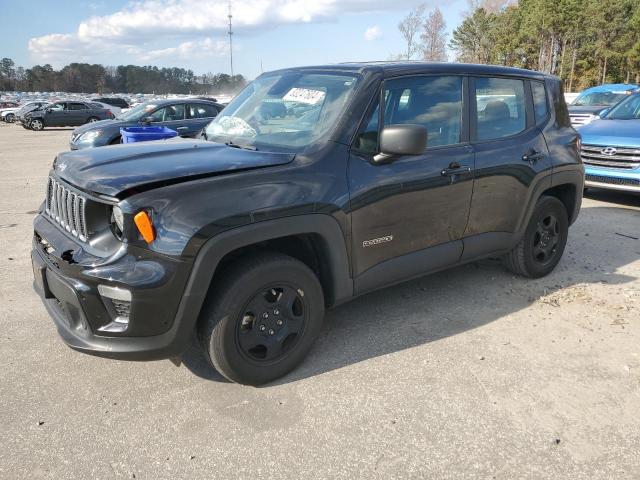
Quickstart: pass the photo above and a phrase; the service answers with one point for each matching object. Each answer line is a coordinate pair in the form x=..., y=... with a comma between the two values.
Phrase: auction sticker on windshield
x=304, y=95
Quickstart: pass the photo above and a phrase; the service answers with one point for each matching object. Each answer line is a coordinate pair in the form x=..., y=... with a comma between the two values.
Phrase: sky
x=268, y=34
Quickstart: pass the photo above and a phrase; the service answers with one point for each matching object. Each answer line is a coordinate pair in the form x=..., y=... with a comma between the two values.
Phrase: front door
x=400, y=210
x=55, y=115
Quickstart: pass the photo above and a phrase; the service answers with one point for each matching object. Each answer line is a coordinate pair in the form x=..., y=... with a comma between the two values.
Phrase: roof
x=611, y=87
x=392, y=68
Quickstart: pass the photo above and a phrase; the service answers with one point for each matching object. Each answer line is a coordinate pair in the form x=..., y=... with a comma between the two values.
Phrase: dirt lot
x=469, y=373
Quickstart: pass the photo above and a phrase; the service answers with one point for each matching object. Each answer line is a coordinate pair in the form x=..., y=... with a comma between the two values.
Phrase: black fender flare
x=215, y=248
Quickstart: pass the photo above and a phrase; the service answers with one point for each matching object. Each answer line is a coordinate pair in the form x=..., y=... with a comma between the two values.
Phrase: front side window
x=58, y=107
x=290, y=109
x=434, y=102
x=169, y=113
x=500, y=107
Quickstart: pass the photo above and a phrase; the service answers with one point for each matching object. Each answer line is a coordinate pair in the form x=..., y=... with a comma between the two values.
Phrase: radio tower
x=230, y=38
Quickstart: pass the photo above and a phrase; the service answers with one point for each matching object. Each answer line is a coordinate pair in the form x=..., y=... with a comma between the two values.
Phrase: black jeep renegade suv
x=313, y=186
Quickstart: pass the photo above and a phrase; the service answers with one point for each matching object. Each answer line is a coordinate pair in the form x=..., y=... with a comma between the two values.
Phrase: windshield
x=628, y=109
x=287, y=109
x=597, y=99
x=137, y=113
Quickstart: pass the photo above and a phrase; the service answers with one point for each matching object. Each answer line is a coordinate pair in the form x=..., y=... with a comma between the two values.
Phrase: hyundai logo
x=609, y=151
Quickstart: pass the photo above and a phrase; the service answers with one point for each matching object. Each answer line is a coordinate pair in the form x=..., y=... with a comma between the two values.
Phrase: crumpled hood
x=118, y=169
x=616, y=133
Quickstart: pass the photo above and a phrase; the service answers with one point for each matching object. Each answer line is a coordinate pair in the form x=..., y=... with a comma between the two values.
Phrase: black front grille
x=67, y=209
x=613, y=181
x=611, y=157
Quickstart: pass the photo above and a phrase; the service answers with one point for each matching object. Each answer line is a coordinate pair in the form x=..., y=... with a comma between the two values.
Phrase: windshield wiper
x=244, y=147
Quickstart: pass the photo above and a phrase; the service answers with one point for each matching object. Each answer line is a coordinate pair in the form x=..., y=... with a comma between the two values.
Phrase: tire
x=116, y=141
x=93, y=120
x=9, y=118
x=36, y=124
x=544, y=240
x=261, y=318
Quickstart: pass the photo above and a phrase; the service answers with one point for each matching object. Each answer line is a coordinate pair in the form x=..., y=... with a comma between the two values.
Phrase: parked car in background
x=611, y=147
x=242, y=241
x=9, y=114
x=115, y=110
x=588, y=105
x=186, y=116
x=118, y=102
x=65, y=114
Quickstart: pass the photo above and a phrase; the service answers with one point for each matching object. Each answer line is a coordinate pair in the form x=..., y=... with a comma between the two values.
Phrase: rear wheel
x=544, y=240
x=262, y=318
x=92, y=120
x=116, y=141
x=9, y=118
x=36, y=124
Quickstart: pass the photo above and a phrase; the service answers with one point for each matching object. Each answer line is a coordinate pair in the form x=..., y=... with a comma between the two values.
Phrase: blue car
x=592, y=101
x=611, y=147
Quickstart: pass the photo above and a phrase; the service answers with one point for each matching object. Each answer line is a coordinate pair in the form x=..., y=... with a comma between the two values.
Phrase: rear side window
x=77, y=106
x=540, y=104
x=202, y=110
x=500, y=107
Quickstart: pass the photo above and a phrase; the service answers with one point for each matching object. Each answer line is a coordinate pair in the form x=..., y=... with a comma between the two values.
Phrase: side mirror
x=147, y=120
x=396, y=140
x=603, y=113
x=49, y=110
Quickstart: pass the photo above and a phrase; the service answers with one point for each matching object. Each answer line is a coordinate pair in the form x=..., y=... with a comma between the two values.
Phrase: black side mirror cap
x=404, y=139
x=147, y=120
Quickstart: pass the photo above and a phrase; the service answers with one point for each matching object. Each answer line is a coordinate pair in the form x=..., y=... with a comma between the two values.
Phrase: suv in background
x=186, y=116
x=593, y=101
x=611, y=147
x=65, y=114
x=390, y=171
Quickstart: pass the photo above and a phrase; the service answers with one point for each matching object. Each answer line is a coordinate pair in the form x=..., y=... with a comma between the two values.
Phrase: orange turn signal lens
x=145, y=227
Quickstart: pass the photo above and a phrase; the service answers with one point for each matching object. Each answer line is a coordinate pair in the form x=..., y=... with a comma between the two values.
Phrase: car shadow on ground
x=611, y=196
x=446, y=303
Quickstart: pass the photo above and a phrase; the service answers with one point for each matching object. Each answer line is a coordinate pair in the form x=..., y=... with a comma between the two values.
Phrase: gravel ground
x=469, y=373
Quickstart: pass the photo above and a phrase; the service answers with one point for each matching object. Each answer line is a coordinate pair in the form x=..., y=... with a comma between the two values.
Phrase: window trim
x=465, y=125
x=473, y=111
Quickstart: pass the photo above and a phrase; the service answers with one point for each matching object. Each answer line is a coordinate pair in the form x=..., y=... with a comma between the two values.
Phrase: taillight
x=110, y=114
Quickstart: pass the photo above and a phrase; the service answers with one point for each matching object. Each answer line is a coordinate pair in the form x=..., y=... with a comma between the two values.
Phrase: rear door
x=511, y=153
x=77, y=113
x=415, y=202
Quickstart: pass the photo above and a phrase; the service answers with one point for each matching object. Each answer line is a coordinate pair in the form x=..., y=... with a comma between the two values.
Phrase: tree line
x=90, y=78
x=584, y=42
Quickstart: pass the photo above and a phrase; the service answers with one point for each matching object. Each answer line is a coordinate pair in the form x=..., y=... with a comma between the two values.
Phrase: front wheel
x=544, y=240
x=261, y=318
x=36, y=124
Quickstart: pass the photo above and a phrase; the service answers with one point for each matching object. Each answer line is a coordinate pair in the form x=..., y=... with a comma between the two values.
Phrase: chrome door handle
x=455, y=170
x=532, y=157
